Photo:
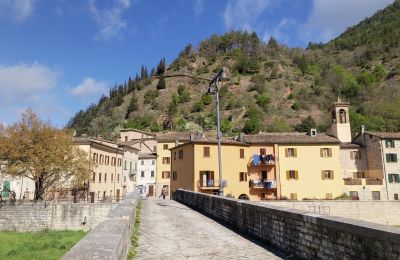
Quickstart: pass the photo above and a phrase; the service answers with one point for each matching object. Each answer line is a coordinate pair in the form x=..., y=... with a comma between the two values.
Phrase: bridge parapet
x=305, y=235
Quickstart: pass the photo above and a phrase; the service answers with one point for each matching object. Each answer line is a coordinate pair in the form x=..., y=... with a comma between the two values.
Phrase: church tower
x=341, y=121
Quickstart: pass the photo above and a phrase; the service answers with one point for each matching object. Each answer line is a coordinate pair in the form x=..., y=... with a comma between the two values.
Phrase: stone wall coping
x=359, y=227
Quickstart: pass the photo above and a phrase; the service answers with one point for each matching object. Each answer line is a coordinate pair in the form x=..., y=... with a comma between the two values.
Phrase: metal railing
x=264, y=184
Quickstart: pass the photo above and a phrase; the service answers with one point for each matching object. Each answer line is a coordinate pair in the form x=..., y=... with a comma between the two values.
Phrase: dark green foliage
x=144, y=74
x=306, y=124
x=259, y=88
x=133, y=105
x=183, y=94
x=173, y=105
x=226, y=126
x=206, y=99
x=301, y=63
x=263, y=101
x=198, y=106
x=140, y=122
x=233, y=103
x=279, y=124
x=150, y=95
x=272, y=43
x=252, y=126
x=161, y=83
x=161, y=67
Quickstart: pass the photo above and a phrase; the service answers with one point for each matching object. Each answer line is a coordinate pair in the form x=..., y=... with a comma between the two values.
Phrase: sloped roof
x=213, y=140
x=172, y=136
x=290, y=138
x=385, y=135
x=350, y=145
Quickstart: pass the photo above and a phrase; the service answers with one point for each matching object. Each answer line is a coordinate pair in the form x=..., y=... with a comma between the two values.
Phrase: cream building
x=23, y=187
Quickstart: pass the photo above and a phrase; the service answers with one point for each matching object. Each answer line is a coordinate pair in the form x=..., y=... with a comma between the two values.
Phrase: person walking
x=162, y=193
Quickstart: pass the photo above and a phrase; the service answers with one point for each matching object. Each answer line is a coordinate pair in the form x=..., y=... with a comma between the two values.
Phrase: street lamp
x=220, y=77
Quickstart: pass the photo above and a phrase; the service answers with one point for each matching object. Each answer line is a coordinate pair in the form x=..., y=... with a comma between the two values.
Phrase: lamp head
x=222, y=76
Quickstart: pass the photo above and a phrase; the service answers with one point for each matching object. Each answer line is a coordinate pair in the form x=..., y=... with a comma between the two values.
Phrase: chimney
x=176, y=142
x=191, y=137
x=99, y=137
x=312, y=132
x=241, y=137
x=362, y=130
x=200, y=135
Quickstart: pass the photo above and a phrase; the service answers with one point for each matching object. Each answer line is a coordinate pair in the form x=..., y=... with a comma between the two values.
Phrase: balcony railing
x=132, y=172
x=211, y=184
x=262, y=184
x=363, y=181
x=257, y=160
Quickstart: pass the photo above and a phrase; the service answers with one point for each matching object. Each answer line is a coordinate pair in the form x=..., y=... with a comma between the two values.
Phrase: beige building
x=106, y=181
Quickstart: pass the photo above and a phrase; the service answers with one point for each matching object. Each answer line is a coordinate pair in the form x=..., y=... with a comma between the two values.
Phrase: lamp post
x=220, y=77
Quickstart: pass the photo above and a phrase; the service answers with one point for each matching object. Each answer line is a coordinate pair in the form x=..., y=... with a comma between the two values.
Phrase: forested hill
x=272, y=87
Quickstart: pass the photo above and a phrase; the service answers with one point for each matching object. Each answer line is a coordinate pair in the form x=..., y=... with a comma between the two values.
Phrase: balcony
x=132, y=172
x=262, y=184
x=260, y=160
x=351, y=181
x=363, y=181
x=373, y=181
x=211, y=184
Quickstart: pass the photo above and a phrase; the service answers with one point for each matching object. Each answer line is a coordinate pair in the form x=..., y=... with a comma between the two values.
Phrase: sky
x=59, y=56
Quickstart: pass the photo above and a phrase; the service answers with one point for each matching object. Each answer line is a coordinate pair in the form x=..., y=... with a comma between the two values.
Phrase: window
x=107, y=160
x=130, y=166
x=94, y=177
x=125, y=164
x=142, y=162
x=166, y=160
x=112, y=177
x=396, y=196
x=242, y=176
x=153, y=162
x=262, y=151
x=99, y=177
x=354, y=194
x=394, y=178
x=105, y=177
x=152, y=174
x=117, y=177
x=165, y=146
x=355, y=155
x=292, y=175
x=165, y=175
x=391, y=157
x=342, y=116
x=326, y=152
x=174, y=156
x=327, y=175
x=154, y=149
x=119, y=162
x=293, y=196
x=376, y=195
x=142, y=174
x=113, y=161
x=101, y=159
x=206, y=151
x=95, y=157
x=126, y=139
x=124, y=178
x=389, y=143
x=180, y=154
x=241, y=153
x=174, y=176
x=359, y=175
x=291, y=152
x=328, y=196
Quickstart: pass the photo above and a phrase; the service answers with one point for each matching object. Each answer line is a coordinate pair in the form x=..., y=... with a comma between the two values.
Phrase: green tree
x=161, y=83
x=150, y=95
x=306, y=124
x=226, y=126
x=206, y=99
x=161, y=67
x=272, y=43
x=263, y=101
x=173, y=105
x=183, y=94
x=133, y=105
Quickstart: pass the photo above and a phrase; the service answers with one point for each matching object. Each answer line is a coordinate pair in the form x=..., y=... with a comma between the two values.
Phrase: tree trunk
x=39, y=189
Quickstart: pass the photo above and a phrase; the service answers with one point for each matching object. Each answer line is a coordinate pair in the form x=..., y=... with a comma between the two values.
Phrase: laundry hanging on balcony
x=256, y=159
x=264, y=159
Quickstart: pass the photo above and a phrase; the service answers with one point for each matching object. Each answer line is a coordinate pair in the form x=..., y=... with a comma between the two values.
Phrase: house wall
x=149, y=165
x=392, y=168
x=23, y=187
x=184, y=168
x=133, y=135
x=161, y=167
x=309, y=165
x=129, y=170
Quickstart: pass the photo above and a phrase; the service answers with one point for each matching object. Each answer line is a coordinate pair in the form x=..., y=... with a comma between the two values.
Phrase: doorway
x=151, y=190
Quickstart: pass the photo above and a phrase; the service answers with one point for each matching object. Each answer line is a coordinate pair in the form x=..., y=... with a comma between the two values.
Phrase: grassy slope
x=42, y=245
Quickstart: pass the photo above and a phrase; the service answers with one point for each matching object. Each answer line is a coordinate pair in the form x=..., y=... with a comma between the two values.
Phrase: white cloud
x=18, y=10
x=243, y=14
x=330, y=18
x=25, y=81
x=109, y=20
x=89, y=87
x=198, y=7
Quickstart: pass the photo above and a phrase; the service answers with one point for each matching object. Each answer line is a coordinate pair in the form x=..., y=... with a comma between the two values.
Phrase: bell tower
x=341, y=121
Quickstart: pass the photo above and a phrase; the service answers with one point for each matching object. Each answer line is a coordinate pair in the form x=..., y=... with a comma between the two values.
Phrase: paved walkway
x=170, y=230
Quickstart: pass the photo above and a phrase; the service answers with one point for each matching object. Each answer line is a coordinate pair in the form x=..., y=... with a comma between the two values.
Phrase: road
x=170, y=230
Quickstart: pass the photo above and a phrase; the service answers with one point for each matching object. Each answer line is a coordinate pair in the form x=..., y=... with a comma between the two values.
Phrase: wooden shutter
x=330, y=152
x=395, y=157
x=332, y=175
x=286, y=152
x=323, y=175
x=296, y=175
x=287, y=175
x=351, y=155
x=321, y=152
x=295, y=152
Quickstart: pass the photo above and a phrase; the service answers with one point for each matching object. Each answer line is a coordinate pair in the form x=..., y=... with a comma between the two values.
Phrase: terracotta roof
x=350, y=145
x=172, y=136
x=213, y=140
x=385, y=135
x=290, y=138
x=137, y=130
x=147, y=156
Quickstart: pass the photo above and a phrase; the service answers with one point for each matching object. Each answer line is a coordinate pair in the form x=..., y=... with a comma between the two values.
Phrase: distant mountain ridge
x=273, y=88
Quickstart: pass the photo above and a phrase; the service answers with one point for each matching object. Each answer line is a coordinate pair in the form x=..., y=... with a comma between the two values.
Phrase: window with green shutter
x=394, y=178
x=389, y=143
x=6, y=189
x=391, y=157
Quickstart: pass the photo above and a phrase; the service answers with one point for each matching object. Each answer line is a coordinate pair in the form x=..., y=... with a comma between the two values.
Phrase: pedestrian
x=162, y=194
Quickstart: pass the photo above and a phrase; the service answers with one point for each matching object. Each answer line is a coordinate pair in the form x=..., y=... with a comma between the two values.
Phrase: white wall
x=149, y=165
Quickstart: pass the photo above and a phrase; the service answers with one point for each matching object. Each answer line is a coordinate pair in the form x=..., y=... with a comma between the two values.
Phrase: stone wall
x=381, y=212
x=34, y=217
x=305, y=235
x=111, y=238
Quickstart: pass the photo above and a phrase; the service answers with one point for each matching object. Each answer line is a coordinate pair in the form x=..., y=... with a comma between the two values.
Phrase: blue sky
x=58, y=56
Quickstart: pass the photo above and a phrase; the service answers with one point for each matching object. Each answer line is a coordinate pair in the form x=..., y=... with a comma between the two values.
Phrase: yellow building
x=165, y=142
x=194, y=166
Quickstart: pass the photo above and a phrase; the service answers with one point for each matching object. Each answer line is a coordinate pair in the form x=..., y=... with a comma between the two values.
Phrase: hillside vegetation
x=271, y=88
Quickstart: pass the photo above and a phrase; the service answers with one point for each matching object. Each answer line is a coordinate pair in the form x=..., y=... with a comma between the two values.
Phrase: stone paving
x=170, y=230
